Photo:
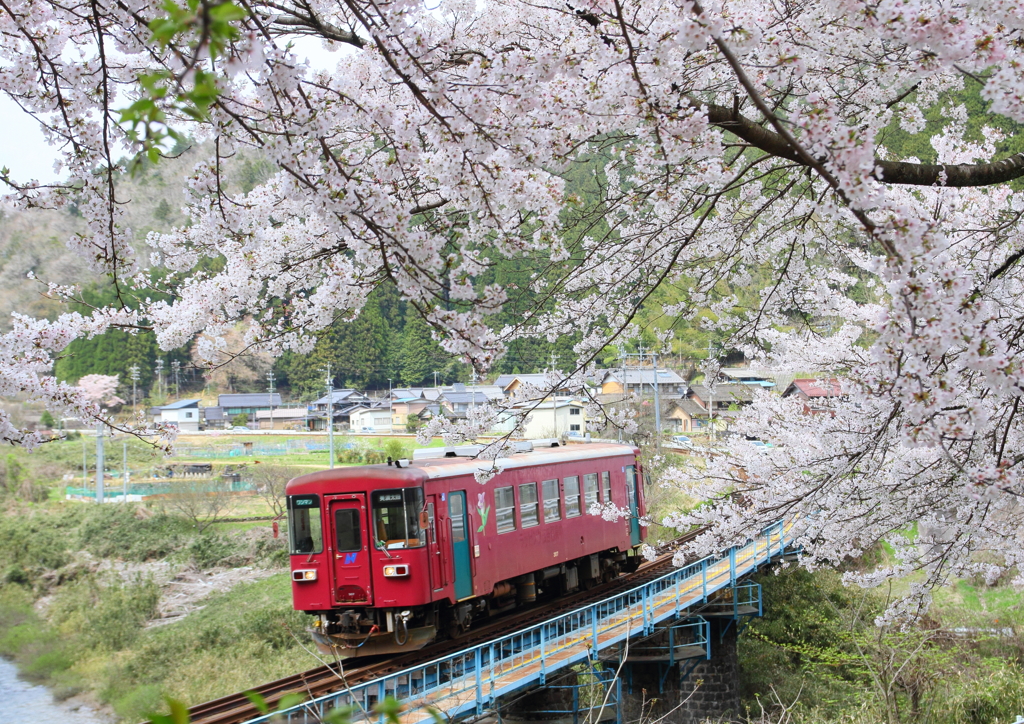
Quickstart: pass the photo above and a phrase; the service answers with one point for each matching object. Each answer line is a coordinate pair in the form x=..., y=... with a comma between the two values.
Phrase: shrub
x=115, y=531
x=206, y=551
x=138, y=703
x=396, y=449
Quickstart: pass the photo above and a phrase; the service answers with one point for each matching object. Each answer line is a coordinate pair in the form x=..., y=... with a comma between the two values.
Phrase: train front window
x=396, y=518
x=346, y=530
x=304, y=532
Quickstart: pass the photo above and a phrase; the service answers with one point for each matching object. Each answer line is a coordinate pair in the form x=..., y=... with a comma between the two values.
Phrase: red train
x=386, y=556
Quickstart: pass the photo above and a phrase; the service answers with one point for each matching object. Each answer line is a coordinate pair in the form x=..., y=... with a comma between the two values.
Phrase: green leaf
x=178, y=715
x=389, y=709
x=290, y=700
x=226, y=12
x=341, y=715
x=257, y=701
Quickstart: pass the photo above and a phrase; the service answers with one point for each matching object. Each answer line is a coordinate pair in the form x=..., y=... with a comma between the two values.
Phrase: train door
x=350, y=550
x=634, y=510
x=437, y=578
x=460, y=545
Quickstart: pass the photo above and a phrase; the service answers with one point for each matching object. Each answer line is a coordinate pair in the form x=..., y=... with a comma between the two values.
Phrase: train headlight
x=396, y=571
x=304, y=575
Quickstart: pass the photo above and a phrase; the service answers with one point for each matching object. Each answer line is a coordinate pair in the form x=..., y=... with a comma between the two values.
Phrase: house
x=745, y=376
x=183, y=414
x=641, y=381
x=685, y=415
x=373, y=416
x=459, y=398
x=403, y=407
x=247, y=403
x=815, y=393
x=547, y=418
x=282, y=418
x=510, y=383
x=341, y=402
x=213, y=417
x=724, y=397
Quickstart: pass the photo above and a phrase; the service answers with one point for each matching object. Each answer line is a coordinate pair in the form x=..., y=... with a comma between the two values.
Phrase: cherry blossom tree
x=724, y=146
x=100, y=389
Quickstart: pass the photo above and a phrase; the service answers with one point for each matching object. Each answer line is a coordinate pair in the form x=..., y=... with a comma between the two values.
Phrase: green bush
x=396, y=449
x=138, y=703
x=994, y=696
x=115, y=531
x=207, y=551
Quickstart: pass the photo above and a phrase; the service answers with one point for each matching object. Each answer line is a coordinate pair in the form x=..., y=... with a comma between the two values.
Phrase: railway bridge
x=664, y=633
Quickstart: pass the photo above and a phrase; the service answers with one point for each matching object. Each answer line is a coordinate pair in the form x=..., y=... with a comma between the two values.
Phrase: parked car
x=761, y=445
x=239, y=428
x=367, y=430
x=682, y=441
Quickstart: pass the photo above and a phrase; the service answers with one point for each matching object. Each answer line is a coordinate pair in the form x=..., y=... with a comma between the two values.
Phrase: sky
x=25, y=152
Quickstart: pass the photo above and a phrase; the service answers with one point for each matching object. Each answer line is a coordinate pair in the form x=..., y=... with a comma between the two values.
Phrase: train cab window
x=347, y=533
x=304, y=531
x=396, y=518
x=552, y=501
x=606, y=487
x=529, y=509
x=572, y=496
x=505, y=509
x=589, y=490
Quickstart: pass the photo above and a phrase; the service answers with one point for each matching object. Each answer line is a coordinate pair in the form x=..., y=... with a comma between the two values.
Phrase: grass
x=239, y=639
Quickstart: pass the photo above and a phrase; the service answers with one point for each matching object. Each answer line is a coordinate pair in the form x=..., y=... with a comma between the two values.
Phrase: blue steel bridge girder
x=469, y=682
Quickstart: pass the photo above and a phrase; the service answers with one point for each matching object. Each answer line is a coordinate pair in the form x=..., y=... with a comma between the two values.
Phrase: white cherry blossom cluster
x=724, y=163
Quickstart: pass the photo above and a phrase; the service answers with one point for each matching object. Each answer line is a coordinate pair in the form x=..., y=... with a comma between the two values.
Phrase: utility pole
x=176, y=368
x=710, y=385
x=134, y=374
x=657, y=405
x=85, y=469
x=391, y=412
x=554, y=393
x=435, y=379
x=330, y=413
x=99, y=462
x=160, y=376
x=124, y=494
x=270, y=381
x=641, y=356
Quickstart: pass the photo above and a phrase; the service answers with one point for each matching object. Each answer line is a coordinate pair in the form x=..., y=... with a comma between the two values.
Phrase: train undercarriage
x=365, y=632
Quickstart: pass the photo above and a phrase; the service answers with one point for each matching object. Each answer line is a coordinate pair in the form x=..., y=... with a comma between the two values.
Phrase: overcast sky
x=24, y=151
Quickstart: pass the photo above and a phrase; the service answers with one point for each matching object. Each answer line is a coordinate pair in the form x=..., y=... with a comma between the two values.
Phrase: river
x=25, y=703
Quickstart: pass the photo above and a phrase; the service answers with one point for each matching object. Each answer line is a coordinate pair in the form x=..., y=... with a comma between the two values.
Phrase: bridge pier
x=689, y=686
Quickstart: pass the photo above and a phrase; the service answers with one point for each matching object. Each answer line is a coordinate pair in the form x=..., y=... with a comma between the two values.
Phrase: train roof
x=420, y=471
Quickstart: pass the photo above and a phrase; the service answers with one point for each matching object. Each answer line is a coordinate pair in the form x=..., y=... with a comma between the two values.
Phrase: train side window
x=572, y=496
x=529, y=513
x=606, y=486
x=552, y=501
x=458, y=518
x=589, y=490
x=505, y=509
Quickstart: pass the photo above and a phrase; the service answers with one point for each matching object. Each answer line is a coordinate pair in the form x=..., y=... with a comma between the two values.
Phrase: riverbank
x=28, y=703
x=131, y=606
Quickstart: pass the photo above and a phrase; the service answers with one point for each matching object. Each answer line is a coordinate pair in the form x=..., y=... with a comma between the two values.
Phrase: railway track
x=313, y=683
